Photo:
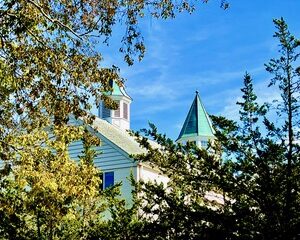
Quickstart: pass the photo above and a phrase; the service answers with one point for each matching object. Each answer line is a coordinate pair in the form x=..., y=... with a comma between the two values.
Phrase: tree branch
x=54, y=20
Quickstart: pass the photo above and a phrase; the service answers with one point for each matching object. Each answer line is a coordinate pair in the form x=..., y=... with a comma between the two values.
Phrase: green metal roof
x=117, y=90
x=197, y=122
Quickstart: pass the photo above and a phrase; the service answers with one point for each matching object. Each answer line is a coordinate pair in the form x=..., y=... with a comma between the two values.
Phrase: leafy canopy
x=50, y=70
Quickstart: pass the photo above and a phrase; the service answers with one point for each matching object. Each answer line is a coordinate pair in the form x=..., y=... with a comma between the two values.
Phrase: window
x=117, y=112
x=108, y=179
x=125, y=110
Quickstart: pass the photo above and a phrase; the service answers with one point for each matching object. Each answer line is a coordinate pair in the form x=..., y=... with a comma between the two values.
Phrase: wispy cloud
x=267, y=94
x=168, y=91
x=153, y=91
x=231, y=97
x=154, y=108
x=209, y=31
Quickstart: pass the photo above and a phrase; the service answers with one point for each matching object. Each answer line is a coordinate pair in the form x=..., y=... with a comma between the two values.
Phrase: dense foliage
x=246, y=185
x=51, y=69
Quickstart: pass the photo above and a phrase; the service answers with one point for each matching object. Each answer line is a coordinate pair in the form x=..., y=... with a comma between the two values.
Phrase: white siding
x=1, y=164
x=123, y=175
x=148, y=174
x=109, y=158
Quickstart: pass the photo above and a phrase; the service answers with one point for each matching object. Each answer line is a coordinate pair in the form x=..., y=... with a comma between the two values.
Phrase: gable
x=109, y=154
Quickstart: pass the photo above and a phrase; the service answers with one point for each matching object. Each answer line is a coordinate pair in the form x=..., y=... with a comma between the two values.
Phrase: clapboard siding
x=74, y=122
x=109, y=156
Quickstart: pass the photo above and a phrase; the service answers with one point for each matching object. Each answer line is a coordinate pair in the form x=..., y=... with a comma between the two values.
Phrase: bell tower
x=121, y=116
x=197, y=126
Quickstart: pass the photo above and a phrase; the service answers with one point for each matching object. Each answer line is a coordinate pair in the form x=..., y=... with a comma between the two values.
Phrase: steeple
x=121, y=116
x=197, y=126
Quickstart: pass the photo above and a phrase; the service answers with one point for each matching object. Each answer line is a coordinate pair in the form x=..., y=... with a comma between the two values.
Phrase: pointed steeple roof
x=197, y=122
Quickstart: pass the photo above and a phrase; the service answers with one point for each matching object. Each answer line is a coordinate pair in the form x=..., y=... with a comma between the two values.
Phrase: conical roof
x=197, y=122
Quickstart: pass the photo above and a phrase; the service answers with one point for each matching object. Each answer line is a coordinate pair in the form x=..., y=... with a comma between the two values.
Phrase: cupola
x=197, y=126
x=121, y=116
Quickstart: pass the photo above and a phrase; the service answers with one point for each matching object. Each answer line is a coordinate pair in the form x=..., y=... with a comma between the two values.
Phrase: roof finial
x=197, y=92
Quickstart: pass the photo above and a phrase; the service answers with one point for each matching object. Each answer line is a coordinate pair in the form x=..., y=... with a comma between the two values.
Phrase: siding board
x=109, y=156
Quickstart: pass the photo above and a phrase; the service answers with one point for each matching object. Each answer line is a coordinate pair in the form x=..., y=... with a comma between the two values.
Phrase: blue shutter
x=106, y=113
x=109, y=179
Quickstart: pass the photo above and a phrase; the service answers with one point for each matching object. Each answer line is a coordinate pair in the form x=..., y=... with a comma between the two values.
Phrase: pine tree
x=264, y=166
x=250, y=110
x=286, y=76
x=50, y=69
x=189, y=205
x=257, y=173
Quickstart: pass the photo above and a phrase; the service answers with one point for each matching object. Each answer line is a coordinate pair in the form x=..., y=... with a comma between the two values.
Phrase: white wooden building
x=117, y=144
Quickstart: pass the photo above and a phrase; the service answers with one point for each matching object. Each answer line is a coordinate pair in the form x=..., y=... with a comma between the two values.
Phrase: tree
x=287, y=77
x=256, y=174
x=250, y=110
x=47, y=195
x=49, y=71
x=253, y=178
x=264, y=175
x=124, y=222
x=181, y=209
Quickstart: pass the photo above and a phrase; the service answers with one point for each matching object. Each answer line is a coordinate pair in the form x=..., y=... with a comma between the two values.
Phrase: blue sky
x=208, y=51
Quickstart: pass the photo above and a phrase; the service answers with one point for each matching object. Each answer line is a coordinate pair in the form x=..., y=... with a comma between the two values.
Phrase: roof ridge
x=119, y=137
x=206, y=114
